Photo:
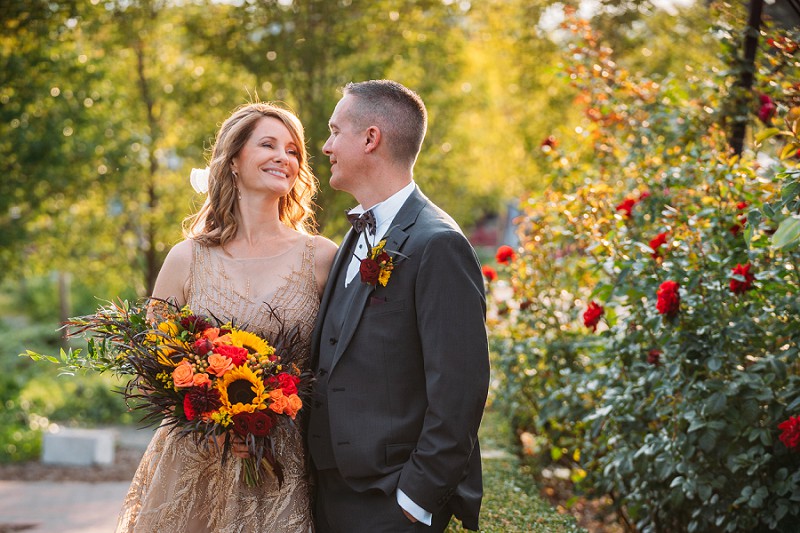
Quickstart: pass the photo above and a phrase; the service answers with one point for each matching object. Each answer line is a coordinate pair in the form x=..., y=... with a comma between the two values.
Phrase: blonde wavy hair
x=215, y=223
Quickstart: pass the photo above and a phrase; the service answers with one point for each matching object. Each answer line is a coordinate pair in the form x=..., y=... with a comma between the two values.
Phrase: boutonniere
x=377, y=266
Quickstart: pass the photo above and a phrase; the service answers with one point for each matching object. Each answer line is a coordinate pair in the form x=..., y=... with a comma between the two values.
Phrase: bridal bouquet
x=203, y=377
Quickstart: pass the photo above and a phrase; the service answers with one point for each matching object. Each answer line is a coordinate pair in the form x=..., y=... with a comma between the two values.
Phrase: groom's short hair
x=396, y=110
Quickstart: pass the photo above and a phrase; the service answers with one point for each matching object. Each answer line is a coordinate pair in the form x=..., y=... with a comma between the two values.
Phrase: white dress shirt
x=384, y=212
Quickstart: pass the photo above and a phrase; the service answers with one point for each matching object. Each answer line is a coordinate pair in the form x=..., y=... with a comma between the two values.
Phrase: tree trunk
x=746, y=74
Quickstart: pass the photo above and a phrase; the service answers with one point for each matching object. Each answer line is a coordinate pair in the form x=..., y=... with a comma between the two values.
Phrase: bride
x=248, y=250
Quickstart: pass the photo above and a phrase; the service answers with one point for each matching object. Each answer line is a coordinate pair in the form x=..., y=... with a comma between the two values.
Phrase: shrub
x=672, y=405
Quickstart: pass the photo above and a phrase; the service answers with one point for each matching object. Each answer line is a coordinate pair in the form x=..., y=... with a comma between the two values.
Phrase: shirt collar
x=386, y=210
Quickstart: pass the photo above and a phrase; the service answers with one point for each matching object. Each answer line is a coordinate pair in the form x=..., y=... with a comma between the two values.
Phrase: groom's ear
x=372, y=139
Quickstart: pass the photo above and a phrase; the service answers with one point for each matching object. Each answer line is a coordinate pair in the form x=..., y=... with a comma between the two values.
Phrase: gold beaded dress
x=181, y=486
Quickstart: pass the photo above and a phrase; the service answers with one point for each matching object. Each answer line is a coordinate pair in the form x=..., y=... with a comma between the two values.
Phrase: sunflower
x=242, y=391
x=253, y=343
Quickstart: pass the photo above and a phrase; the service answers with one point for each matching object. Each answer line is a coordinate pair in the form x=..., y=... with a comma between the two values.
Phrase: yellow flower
x=241, y=390
x=170, y=328
x=253, y=343
x=386, y=272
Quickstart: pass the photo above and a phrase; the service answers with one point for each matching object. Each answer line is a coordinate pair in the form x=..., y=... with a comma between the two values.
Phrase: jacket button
x=332, y=341
x=322, y=372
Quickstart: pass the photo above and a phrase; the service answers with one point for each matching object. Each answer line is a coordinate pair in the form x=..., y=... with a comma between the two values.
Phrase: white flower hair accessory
x=199, y=179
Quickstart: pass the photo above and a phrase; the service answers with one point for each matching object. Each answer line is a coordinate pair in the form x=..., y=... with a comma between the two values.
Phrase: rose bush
x=682, y=404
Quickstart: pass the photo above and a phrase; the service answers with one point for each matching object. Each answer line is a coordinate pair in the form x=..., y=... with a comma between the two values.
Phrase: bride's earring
x=236, y=177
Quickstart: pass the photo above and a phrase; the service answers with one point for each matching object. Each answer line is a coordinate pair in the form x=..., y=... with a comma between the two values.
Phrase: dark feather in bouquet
x=202, y=376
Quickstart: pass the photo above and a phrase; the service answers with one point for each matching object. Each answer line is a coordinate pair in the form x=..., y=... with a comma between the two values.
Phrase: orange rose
x=218, y=364
x=294, y=404
x=279, y=401
x=210, y=334
x=224, y=339
x=183, y=375
x=201, y=380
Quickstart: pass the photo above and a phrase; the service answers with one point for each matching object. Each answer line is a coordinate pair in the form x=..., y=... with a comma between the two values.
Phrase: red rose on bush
x=767, y=109
x=790, y=435
x=505, y=254
x=236, y=354
x=654, y=357
x=592, y=315
x=550, y=142
x=369, y=270
x=737, y=286
x=668, y=299
x=656, y=243
x=626, y=206
x=489, y=273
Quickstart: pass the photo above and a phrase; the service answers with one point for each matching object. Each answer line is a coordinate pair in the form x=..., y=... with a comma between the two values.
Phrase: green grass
x=511, y=501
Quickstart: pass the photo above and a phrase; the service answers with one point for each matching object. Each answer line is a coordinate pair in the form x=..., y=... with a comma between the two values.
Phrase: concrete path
x=60, y=507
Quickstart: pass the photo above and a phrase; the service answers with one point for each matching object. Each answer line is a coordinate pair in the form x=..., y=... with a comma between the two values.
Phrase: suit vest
x=319, y=430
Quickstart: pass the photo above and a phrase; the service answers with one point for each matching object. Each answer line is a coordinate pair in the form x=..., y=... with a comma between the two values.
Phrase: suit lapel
x=395, y=239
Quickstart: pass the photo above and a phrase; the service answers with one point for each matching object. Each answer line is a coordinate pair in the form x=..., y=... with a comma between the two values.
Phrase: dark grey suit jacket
x=410, y=374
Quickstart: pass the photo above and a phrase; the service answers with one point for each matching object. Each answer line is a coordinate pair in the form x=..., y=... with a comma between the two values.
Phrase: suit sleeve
x=451, y=313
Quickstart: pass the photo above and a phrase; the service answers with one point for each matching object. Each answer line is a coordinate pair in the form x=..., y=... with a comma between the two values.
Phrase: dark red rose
x=626, y=206
x=202, y=346
x=284, y=381
x=668, y=299
x=767, y=109
x=741, y=205
x=260, y=424
x=790, y=435
x=383, y=258
x=654, y=357
x=505, y=254
x=489, y=273
x=592, y=315
x=200, y=400
x=656, y=243
x=237, y=354
x=370, y=270
x=742, y=286
x=242, y=423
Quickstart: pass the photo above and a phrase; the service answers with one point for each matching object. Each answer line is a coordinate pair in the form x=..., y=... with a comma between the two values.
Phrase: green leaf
x=763, y=135
x=716, y=403
x=788, y=232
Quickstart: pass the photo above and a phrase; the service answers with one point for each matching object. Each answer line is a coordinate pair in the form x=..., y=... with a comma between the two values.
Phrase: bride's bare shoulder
x=325, y=250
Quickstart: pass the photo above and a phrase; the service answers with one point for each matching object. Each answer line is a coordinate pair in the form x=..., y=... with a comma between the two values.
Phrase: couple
x=389, y=438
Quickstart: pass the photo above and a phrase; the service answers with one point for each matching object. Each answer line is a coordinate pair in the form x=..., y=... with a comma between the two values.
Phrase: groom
x=399, y=350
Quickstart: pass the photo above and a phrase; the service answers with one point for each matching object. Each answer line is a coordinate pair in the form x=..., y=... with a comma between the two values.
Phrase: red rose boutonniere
x=377, y=266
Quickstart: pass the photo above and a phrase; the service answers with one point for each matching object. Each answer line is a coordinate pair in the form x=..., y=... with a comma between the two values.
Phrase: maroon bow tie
x=360, y=222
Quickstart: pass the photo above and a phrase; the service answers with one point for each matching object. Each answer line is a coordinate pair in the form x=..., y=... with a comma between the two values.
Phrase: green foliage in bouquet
x=647, y=327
